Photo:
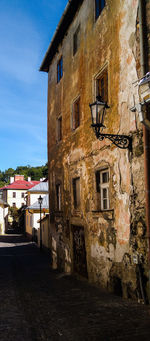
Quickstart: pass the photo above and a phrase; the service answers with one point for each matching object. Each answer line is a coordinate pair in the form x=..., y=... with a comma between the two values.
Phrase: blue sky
x=26, y=27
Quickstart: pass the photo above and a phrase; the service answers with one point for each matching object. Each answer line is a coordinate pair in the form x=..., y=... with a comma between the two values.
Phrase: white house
x=3, y=215
x=33, y=209
x=14, y=193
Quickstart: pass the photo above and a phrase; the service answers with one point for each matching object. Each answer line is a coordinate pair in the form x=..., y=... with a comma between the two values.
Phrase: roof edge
x=65, y=21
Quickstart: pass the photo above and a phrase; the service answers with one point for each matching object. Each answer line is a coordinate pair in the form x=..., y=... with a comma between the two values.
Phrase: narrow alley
x=38, y=303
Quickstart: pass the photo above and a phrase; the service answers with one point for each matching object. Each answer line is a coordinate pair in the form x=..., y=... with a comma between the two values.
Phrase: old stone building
x=98, y=201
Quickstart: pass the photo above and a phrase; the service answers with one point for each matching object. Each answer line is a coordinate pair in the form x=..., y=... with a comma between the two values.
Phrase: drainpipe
x=146, y=135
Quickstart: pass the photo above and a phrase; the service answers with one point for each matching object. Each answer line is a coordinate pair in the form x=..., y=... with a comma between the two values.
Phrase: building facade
x=97, y=191
x=14, y=193
x=33, y=208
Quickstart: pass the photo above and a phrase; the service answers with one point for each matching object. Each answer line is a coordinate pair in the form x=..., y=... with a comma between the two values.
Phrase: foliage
x=13, y=212
x=34, y=172
x=18, y=217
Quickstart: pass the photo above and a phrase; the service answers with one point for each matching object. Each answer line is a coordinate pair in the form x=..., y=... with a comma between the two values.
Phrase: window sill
x=103, y=211
x=76, y=213
x=107, y=214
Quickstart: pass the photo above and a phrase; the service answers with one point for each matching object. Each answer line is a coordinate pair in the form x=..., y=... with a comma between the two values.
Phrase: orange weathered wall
x=113, y=237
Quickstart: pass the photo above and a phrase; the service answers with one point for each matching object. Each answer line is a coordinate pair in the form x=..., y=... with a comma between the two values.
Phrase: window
x=102, y=189
x=99, y=5
x=14, y=204
x=59, y=69
x=22, y=195
x=76, y=192
x=76, y=114
x=59, y=128
x=76, y=40
x=58, y=197
x=14, y=194
x=102, y=85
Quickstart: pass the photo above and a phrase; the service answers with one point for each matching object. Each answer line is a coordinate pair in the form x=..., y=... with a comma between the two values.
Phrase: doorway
x=79, y=251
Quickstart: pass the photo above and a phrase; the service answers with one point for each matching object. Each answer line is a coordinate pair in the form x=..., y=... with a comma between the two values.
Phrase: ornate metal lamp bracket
x=121, y=141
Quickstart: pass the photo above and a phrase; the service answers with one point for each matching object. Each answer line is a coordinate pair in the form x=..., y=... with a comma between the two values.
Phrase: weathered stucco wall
x=114, y=236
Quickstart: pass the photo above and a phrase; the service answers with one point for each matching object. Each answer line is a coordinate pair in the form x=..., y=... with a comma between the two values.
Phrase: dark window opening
x=76, y=40
x=99, y=5
x=59, y=128
x=76, y=192
x=14, y=194
x=59, y=69
x=14, y=204
x=102, y=86
x=76, y=114
x=58, y=197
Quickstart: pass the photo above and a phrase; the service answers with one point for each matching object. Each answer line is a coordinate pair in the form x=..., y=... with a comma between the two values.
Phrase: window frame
x=76, y=193
x=59, y=128
x=14, y=194
x=58, y=196
x=76, y=40
x=102, y=90
x=102, y=186
x=76, y=114
x=60, y=69
x=22, y=195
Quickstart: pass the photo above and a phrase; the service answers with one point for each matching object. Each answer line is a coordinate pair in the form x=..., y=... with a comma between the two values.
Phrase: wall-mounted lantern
x=144, y=88
x=143, y=107
x=98, y=111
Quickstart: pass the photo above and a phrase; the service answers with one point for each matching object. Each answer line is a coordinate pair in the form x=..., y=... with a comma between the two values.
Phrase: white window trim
x=104, y=186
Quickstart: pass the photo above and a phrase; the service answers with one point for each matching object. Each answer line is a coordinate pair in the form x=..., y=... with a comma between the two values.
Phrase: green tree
x=13, y=212
x=8, y=173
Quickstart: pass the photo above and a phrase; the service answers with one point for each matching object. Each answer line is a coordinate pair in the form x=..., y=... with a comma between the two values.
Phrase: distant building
x=14, y=193
x=3, y=216
x=33, y=208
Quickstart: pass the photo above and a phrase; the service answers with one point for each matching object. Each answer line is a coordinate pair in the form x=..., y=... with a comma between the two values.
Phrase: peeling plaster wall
x=114, y=236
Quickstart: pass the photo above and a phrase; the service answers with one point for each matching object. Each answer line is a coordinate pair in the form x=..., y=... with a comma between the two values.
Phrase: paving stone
x=38, y=303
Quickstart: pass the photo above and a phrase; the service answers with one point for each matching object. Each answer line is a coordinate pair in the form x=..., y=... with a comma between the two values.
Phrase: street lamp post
x=40, y=200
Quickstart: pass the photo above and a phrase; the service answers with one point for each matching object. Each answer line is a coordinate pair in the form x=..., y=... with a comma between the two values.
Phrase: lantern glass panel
x=100, y=113
x=93, y=112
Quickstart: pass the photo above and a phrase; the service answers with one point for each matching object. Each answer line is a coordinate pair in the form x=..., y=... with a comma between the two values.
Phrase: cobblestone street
x=40, y=304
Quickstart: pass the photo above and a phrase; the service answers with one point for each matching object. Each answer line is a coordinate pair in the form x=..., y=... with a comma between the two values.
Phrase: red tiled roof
x=21, y=184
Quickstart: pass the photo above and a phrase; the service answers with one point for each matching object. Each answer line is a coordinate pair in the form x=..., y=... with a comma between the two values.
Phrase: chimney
x=19, y=177
x=11, y=179
x=29, y=178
